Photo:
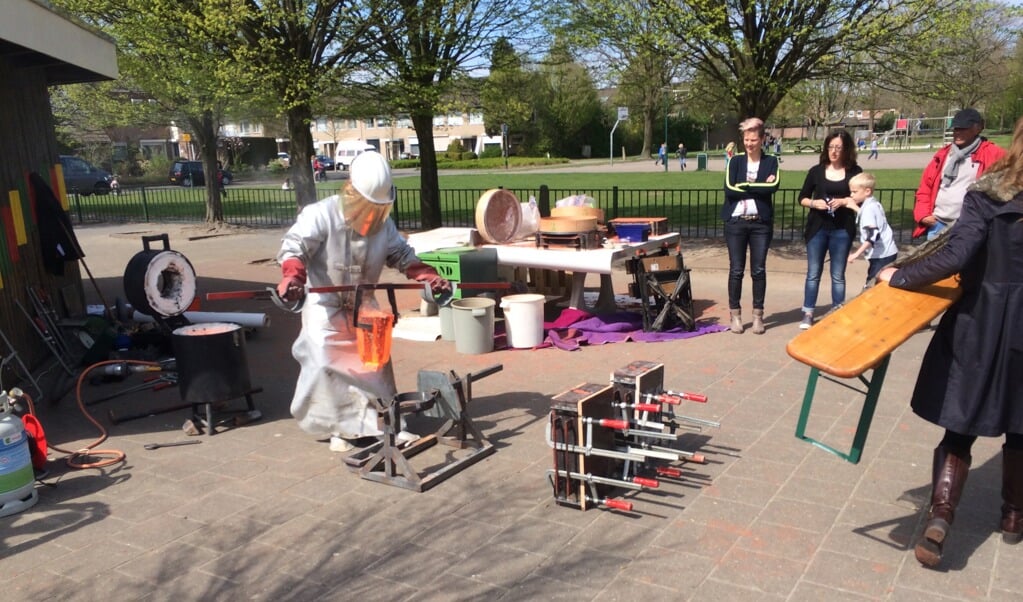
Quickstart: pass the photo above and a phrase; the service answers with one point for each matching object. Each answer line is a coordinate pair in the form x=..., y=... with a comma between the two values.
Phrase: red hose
x=113, y=456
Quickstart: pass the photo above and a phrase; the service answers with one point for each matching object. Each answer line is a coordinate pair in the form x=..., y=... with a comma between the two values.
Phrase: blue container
x=632, y=232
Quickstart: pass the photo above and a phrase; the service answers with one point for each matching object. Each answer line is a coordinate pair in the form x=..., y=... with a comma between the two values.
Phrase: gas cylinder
x=17, y=480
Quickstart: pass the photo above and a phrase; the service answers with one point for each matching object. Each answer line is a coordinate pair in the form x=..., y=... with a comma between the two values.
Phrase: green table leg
x=872, y=394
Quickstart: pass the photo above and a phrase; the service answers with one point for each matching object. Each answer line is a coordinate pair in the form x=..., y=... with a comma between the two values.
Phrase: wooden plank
x=864, y=331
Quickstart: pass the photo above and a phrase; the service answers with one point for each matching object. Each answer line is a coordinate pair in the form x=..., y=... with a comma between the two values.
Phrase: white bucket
x=523, y=319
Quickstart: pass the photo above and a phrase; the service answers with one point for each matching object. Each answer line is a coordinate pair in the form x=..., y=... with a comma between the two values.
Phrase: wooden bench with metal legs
x=861, y=336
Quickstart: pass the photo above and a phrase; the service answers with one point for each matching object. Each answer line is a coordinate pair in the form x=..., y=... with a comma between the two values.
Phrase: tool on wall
x=12, y=355
x=48, y=339
x=617, y=437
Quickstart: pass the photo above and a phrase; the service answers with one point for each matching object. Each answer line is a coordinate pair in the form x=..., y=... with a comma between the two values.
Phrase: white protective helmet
x=371, y=177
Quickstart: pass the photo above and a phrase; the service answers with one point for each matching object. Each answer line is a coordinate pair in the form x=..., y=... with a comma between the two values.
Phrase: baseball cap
x=966, y=118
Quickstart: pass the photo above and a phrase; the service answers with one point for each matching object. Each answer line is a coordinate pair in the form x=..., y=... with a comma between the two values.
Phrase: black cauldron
x=212, y=366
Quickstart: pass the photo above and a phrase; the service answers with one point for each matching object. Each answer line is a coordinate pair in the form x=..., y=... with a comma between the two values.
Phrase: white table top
x=527, y=254
x=591, y=261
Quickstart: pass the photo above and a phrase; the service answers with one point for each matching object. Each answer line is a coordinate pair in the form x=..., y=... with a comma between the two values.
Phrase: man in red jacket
x=952, y=170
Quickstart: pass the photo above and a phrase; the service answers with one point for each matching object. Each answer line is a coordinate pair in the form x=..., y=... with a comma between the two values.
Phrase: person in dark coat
x=971, y=377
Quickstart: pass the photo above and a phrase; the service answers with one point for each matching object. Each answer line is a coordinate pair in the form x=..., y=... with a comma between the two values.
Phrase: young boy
x=877, y=242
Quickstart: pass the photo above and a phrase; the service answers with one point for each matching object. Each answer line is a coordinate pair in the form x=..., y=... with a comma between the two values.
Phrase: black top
x=816, y=186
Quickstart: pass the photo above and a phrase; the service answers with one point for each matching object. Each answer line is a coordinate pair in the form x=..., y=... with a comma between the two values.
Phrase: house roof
x=33, y=35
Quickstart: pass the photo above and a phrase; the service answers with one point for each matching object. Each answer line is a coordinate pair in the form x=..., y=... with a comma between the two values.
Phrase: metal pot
x=211, y=362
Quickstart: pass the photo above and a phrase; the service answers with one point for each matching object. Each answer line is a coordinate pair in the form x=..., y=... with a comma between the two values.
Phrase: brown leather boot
x=758, y=322
x=949, y=477
x=737, y=321
x=1012, y=495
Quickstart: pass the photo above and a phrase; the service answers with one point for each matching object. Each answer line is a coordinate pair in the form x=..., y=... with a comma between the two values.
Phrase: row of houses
x=261, y=142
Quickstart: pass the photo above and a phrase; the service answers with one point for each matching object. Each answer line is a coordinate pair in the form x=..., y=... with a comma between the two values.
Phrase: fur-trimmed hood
x=997, y=187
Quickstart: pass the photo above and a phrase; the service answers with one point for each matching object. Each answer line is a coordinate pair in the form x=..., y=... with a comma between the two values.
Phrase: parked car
x=83, y=178
x=325, y=161
x=190, y=173
x=284, y=158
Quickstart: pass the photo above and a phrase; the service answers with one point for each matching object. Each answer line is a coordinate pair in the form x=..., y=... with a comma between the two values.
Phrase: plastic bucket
x=473, y=321
x=447, y=323
x=523, y=318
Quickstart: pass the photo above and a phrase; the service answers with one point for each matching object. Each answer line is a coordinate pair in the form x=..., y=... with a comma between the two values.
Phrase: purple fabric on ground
x=575, y=328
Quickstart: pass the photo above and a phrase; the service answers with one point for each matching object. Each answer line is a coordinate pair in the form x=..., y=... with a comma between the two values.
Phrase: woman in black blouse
x=830, y=225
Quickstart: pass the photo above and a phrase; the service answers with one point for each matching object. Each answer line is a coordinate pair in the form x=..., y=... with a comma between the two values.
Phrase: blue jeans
x=875, y=266
x=936, y=229
x=754, y=236
x=836, y=243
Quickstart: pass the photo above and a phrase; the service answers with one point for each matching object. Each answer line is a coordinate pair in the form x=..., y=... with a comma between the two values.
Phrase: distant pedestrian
x=873, y=148
x=682, y=156
x=729, y=153
x=220, y=179
x=662, y=155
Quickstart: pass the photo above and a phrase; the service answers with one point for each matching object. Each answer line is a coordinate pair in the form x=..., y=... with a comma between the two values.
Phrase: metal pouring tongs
x=268, y=293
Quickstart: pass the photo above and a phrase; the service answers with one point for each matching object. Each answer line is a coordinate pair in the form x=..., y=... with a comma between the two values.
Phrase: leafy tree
x=425, y=47
x=759, y=50
x=172, y=49
x=298, y=52
x=632, y=46
x=567, y=108
x=959, y=58
x=507, y=93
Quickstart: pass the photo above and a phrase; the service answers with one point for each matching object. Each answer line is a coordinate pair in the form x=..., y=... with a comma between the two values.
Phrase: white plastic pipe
x=245, y=320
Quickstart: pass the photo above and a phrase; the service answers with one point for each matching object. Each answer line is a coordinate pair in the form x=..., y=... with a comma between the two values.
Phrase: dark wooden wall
x=27, y=143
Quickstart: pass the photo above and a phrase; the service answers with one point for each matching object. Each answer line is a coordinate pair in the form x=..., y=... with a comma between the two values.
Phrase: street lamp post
x=665, y=129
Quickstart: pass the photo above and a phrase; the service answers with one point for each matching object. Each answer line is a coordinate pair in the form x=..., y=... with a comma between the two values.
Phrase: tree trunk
x=300, y=166
x=206, y=137
x=429, y=185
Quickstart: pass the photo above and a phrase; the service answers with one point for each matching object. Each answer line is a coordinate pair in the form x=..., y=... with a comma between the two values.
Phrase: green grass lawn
x=671, y=180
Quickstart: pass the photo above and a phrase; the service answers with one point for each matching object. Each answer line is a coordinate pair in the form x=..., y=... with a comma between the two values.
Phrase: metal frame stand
x=387, y=462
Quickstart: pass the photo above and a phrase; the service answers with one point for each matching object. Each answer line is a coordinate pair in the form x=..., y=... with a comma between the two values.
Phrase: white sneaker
x=339, y=445
x=404, y=438
x=807, y=321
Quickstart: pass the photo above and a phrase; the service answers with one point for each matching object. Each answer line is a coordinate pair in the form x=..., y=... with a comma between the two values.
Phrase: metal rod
x=590, y=478
x=46, y=338
x=14, y=355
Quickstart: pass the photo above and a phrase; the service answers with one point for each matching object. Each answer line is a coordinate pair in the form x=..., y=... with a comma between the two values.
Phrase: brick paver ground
x=265, y=512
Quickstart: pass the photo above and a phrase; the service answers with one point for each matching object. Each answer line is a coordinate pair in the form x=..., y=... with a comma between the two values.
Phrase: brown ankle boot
x=949, y=477
x=737, y=321
x=1012, y=495
x=758, y=322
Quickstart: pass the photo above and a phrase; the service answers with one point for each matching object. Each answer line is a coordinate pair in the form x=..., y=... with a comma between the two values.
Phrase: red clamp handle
x=647, y=407
x=610, y=423
x=669, y=399
x=617, y=504
x=668, y=471
x=645, y=482
x=694, y=397
x=697, y=458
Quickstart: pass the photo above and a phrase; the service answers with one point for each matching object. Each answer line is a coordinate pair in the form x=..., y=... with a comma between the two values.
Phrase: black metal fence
x=693, y=213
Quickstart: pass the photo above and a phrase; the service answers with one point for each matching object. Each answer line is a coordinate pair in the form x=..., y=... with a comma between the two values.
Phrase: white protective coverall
x=334, y=388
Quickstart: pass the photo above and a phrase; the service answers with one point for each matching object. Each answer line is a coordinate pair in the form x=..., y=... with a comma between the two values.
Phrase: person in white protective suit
x=345, y=239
